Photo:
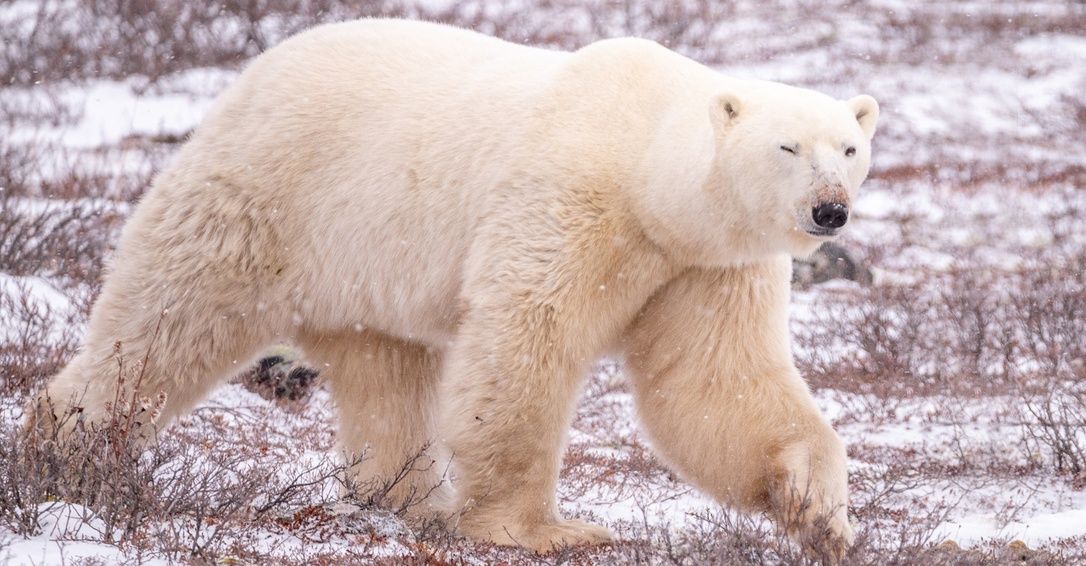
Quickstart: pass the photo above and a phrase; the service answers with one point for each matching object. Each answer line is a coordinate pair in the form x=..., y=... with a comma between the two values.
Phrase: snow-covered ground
x=978, y=167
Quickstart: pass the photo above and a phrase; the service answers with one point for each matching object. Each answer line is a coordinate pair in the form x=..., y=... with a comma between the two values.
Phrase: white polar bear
x=454, y=228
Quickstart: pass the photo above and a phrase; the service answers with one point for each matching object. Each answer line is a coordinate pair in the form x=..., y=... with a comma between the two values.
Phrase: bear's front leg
x=540, y=307
x=511, y=386
x=723, y=404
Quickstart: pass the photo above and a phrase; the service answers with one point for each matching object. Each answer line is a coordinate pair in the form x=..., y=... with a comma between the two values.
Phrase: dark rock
x=831, y=261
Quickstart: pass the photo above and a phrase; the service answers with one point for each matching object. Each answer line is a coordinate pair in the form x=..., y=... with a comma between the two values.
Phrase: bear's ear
x=866, y=110
x=725, y=110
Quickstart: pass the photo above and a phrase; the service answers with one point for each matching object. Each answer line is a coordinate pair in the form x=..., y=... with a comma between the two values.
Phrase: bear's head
x=789, y=161
x=769, y=169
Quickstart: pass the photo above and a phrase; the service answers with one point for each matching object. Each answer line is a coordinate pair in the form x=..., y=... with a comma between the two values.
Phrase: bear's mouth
x=822, y=232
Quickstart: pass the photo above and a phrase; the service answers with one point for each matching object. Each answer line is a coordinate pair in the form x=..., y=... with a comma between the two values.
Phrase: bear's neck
x=684, y=199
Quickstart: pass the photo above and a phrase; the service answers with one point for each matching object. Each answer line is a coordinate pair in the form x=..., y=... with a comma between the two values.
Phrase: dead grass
x=965, y=330
x=121, y=38
x=182, y=500
x=33, y=352
x=66, y=241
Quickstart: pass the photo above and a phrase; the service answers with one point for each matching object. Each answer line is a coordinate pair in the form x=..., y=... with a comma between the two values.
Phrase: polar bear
x=454, y=228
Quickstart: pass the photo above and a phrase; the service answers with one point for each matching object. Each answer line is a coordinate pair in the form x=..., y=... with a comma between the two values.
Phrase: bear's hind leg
x=385, y=393
x=138, y=350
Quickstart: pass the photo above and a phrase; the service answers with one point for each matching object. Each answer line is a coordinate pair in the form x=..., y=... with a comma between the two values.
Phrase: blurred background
x=944, y=335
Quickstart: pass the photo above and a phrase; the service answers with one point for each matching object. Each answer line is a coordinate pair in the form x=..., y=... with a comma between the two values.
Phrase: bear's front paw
x=543, y=537
x=809, y=497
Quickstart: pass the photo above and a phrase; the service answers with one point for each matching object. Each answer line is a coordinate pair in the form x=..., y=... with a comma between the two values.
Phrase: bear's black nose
x=831, y=215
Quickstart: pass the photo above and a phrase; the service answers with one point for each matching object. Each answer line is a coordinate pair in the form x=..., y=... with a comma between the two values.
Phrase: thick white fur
x=456, y=227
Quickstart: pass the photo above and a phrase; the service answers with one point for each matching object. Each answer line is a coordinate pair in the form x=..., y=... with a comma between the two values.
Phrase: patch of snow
x=42, y=298
x=67, y=533
x=1039, y=526
x=110, y=111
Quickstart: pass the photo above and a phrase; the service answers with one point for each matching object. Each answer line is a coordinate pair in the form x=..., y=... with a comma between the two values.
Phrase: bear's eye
x=793, y=149
x=850, y=151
